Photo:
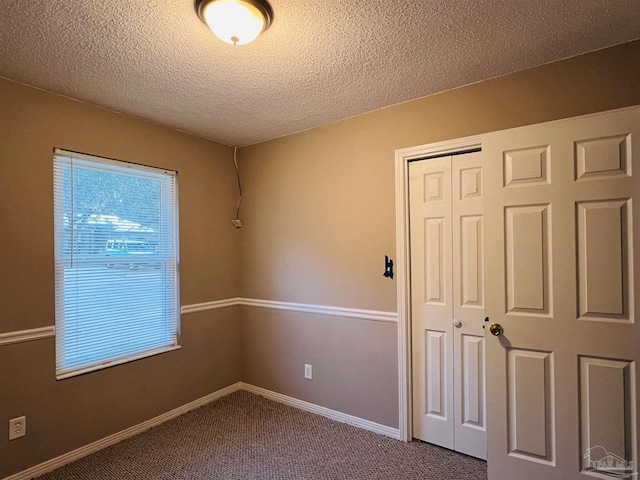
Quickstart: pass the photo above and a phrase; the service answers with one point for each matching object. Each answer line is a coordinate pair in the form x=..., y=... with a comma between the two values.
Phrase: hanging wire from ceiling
x=236, y=222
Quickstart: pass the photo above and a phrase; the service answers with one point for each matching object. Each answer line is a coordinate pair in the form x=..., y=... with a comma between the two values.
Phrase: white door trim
x=403, y=157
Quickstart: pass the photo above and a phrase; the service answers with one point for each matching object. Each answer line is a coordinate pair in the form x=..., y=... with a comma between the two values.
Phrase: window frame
x=61, y=261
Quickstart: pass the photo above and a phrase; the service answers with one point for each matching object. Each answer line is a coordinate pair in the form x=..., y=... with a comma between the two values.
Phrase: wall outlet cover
x=17, y=427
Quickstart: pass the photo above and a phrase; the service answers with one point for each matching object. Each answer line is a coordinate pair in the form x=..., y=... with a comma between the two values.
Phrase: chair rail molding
x=10, y=338
x=375, y=315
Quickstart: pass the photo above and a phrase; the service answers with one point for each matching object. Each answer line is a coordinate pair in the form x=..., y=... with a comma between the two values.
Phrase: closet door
x=468, y=306
x=447, y=302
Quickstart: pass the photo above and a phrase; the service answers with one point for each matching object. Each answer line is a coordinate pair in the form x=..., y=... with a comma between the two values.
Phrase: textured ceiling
x=321, y=60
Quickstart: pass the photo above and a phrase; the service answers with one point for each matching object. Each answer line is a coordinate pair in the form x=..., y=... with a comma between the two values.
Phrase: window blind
x=116, y=262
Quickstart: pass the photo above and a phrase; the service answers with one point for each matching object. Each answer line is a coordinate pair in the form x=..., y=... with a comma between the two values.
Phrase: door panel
x=531, y=405
x=605, y=419
x=603, y=157
x=435, y=365
x=603, y=260
x=527, y=258
x=434, y=248
x=472, y=363
x=561, y=265
x=469, y=393
x=471, y=268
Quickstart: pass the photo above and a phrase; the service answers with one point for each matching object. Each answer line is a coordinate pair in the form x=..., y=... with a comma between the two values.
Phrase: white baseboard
x=325, y=412
x=93, y=447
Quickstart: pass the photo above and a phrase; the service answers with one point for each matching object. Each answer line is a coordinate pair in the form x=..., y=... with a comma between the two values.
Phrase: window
x=116, y=261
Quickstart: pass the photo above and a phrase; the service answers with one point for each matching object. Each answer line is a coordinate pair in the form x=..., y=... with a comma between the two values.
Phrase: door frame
x=403, y=267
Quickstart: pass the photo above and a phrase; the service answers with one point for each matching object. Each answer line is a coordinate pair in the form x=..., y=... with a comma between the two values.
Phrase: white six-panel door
x=447, y=292
x=562, y=277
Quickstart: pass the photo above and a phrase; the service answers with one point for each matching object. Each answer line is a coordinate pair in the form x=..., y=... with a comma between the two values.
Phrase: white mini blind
x=116, y=262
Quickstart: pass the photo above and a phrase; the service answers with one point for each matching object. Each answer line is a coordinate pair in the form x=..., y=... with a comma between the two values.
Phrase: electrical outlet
x=308, y=371
x=17, y=427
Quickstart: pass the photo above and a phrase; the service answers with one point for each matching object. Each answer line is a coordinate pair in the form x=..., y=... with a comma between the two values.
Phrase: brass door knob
x=496, y=329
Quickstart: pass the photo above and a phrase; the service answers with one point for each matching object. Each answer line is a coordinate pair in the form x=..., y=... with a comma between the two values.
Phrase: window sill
x=111, y=363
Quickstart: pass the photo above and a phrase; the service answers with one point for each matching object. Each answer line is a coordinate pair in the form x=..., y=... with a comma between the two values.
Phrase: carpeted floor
x=245, y=436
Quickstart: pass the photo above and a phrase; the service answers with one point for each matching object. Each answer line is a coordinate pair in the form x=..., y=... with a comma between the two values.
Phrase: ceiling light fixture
x=235, y=21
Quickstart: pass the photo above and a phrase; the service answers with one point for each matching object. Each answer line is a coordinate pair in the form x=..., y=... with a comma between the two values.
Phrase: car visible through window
x=132, y=254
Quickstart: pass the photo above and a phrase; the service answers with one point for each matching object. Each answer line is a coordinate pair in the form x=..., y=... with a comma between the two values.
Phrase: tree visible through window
x=115, y=262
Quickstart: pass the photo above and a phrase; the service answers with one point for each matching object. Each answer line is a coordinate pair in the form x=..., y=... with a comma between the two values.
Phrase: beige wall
x=319, y=217
x=63, y=415
x=354, y=361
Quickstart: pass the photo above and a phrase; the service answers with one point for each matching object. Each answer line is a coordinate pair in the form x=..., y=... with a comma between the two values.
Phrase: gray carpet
x=245, y=436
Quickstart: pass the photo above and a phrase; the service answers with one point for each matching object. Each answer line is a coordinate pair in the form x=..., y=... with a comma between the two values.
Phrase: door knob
x=496, y=329
x=457, y=323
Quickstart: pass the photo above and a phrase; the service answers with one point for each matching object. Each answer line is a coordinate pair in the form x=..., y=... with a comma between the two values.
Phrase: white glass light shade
x=234, y=21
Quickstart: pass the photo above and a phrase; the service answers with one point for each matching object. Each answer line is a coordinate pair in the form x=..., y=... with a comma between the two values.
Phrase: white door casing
x=447, y=302
x=560, y=224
